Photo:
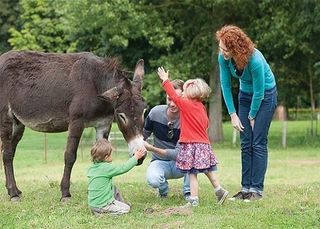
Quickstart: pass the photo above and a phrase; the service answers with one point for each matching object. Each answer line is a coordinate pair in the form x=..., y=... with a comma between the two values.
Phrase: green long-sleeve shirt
x=255, y=79
x=100, y=187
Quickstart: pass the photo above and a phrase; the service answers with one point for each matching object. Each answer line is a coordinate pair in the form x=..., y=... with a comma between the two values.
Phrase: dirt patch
x=177, y=211
x=176, y=224
x=180, y=210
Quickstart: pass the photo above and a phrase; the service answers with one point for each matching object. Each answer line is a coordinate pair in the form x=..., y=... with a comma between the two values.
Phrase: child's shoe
x=193, y=202
x=221, y=195
x=187, y=196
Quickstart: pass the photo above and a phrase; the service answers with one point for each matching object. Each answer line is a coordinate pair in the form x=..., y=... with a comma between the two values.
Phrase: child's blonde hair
x=101, y=150
x=196, y=89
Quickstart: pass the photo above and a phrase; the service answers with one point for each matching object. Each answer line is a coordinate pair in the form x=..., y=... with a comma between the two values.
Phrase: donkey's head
x=129, y=108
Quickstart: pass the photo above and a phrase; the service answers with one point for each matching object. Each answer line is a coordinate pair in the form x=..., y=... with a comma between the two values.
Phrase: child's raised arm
x=163, y=75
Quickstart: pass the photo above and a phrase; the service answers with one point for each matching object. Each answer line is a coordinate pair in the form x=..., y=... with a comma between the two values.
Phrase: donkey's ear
x=139, y=74
x=112, y=94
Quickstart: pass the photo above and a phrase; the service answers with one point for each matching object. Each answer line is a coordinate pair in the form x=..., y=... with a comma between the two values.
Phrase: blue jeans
x=254, y=151
x=159, y=171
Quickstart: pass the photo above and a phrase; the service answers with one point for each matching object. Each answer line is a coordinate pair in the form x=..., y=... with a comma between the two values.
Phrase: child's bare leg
x=194, y=189
x=213, y=179
x=221, y=193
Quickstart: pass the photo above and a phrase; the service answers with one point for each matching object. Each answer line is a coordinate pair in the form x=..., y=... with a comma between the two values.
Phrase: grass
x=291, y=189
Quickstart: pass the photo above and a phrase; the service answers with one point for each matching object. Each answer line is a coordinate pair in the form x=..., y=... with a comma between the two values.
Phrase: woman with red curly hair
x=257, y=101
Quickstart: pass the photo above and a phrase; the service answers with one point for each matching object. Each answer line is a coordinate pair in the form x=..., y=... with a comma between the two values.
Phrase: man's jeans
x=254, y=152
x=159, y=171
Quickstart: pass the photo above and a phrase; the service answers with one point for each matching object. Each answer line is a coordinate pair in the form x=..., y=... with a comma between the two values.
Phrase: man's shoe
x=253, y=196
x=221, y=195
x=163, y=196
x=240, y=196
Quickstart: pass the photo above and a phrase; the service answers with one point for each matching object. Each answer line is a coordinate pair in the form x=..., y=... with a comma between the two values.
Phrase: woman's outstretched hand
x=163, y=75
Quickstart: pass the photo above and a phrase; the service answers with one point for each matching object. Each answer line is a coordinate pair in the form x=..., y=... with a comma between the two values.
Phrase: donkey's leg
x=18, y=130
x=103, y=128
x=70, y=156
x=107, y=132
x=6, y=132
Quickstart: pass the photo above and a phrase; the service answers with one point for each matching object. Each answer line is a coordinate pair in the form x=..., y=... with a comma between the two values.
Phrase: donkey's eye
x=122, y=117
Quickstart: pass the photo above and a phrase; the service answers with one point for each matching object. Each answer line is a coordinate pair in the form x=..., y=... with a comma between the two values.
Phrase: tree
x=42, y=27
x=9, y=11
x=291, y=43
x=123, y=28
x=194, y=51
x=179, y=35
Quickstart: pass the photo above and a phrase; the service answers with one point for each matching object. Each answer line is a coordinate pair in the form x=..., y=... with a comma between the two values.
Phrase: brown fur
x=65, y=92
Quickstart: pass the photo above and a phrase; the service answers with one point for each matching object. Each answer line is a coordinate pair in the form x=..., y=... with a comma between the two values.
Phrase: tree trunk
x=284, y=133
x=312, y=101
x=1, y=155
x=215, y=107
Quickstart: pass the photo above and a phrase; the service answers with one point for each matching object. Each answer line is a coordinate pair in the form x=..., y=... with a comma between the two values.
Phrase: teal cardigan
x=255, y=79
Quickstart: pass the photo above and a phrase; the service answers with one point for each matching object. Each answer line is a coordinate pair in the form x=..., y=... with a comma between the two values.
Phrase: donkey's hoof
x=15, y=199
x=65, y=199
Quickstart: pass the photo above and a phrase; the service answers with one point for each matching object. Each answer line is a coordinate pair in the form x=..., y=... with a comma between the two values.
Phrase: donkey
x=50, y=92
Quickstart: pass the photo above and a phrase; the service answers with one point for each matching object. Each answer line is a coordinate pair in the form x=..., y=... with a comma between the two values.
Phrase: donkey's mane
x=112, y=63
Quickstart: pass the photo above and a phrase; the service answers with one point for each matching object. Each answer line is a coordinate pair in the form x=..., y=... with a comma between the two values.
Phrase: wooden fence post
x=284, y=133
x=281, y=115
x=234, y=137
x=45, y=148
x=115, y=141
x=81, y=147
x=1, y=155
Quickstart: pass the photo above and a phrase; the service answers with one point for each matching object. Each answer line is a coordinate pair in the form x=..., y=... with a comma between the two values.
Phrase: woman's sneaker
x=221, y=195
x=240, y=196
x=253, y=196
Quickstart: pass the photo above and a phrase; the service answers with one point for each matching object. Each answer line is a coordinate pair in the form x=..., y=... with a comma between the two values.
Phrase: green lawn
x=291, y=188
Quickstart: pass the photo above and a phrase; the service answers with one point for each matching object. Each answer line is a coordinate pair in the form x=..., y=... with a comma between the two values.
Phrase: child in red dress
x=195, y=155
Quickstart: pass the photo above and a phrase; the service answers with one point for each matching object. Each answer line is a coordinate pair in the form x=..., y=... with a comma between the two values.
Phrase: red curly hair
x=238, y=43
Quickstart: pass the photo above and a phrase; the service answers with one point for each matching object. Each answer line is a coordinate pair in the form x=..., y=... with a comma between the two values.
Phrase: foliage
x=178, y=35
x=289, y=39
x=112, y=27
x=9, y=11
x=42, y=27
x=127, y=29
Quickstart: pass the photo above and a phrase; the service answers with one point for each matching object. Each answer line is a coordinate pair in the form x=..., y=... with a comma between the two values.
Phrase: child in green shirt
x=101, y=191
